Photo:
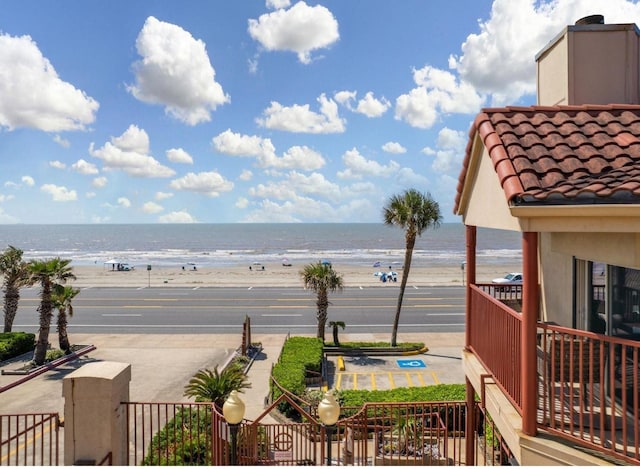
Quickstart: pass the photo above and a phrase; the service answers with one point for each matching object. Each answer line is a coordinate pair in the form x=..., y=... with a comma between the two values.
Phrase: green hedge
x=433, y=393
x=13, y=344
x=298, y=356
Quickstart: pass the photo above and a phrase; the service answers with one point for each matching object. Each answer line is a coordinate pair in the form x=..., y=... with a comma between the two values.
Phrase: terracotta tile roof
x=561, y=155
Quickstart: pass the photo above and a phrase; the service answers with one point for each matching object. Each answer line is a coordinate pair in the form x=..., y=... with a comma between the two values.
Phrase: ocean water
x=209, y=245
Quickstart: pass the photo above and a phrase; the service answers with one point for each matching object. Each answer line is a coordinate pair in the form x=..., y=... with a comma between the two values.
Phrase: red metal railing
x=589, y=389
x=494, y=332
x=424, y=433
x=29, y=439
x=161, y=434
x=588, y=384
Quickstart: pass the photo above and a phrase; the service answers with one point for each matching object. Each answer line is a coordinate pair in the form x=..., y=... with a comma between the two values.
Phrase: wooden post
x=530, y=307
x=470, y=392
x=471, y=278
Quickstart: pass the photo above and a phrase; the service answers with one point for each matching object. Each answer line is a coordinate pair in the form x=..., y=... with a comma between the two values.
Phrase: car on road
x=512, y=278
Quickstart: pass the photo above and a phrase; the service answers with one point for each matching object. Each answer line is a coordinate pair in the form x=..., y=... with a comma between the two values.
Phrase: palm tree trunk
x=408, y=254
x=42, y=344
x=323, y=306
x=11, y=299
x=46, y=313
x=63, y=338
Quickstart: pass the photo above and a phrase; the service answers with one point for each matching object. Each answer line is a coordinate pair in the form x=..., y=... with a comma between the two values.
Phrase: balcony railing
x=494, y=331
x=588, y=384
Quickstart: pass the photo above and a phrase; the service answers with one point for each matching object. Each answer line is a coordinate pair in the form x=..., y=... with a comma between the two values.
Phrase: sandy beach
x=273, y=275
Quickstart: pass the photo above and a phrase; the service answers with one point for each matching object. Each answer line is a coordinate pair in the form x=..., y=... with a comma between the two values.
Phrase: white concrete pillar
x=94, y=421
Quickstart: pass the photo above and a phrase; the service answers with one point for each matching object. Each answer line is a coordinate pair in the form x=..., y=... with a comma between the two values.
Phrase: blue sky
x=232, y=111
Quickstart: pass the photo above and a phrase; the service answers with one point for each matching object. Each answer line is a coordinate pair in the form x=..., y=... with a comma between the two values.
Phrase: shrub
x=184, y=440
x=13, y=344
x=434, y=393
x=214, y=386
x=299, y=355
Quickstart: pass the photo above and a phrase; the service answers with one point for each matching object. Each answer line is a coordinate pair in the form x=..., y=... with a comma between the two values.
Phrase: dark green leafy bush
x=434, y=393
x=184, y=441
x=13, y=344
x=299, y=356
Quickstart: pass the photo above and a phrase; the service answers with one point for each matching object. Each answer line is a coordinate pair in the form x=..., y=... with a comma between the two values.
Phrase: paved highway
x=191, y=310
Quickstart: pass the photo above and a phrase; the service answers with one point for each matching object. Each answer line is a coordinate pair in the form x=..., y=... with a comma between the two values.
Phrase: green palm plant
x=47, y=273
x=320, y=278
x=414, y=212
x=215, y=386
x=15, y=273
x=335, y=325
x=62, y=297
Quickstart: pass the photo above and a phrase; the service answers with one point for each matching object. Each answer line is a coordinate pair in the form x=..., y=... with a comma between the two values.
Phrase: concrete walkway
x=162, y=365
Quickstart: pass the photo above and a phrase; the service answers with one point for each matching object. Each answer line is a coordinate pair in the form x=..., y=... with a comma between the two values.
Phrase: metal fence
x=30, y=439
x=424, y=433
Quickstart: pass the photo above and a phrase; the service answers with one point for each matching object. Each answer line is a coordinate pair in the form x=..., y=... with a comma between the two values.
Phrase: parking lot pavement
x=440, y=365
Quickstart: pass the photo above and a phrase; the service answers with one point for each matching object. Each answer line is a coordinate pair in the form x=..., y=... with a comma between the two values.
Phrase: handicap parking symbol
x=411, y=364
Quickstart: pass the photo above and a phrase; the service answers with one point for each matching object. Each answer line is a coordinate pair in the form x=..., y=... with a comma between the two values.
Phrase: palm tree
x=47, y=273
x=321, y=279
x=62, y=297
x=335, y=325
x=214, y=386
x=414, y=212
x=16, y=276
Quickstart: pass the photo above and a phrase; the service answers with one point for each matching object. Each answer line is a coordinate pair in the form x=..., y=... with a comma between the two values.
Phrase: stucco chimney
x=590, y=63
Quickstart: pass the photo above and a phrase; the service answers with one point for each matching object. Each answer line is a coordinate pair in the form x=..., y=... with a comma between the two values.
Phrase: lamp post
x=328, y=411
x=233, y=411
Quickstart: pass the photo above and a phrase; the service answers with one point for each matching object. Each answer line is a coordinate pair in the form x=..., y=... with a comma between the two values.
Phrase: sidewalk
x=162, y=364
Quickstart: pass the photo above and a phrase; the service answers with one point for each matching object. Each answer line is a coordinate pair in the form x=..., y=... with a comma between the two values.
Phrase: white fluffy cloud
x=177, y=217
x=394, y=147
x=514, y=33
x=209, y=183
x=299, y=118
x=33, y=95
x=84, y=167
x=57, y=164
x=235, y=144
x=296, y=157
x=99, y=182
x=124, y=202
x=129, y=153
x=300, y=29
x=59, y=193
x=357, y=166
x=297, y=183
x=278, y=3
x=152, y=207
x=451, y=145
x=28, y=181
x=370, y=106
x=63, y=142
x=163, y=195
x=178, y=155
x=438, y=91
x=245, y=175
x=175, y=71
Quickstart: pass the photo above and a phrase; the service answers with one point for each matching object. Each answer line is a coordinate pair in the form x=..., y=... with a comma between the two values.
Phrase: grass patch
x=356, y=345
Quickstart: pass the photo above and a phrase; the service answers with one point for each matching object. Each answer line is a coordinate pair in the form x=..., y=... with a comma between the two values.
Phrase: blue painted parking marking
x=411, y=364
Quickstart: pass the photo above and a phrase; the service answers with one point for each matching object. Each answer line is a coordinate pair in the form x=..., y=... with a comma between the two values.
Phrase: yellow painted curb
x=340, y=363
x=424, y=349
